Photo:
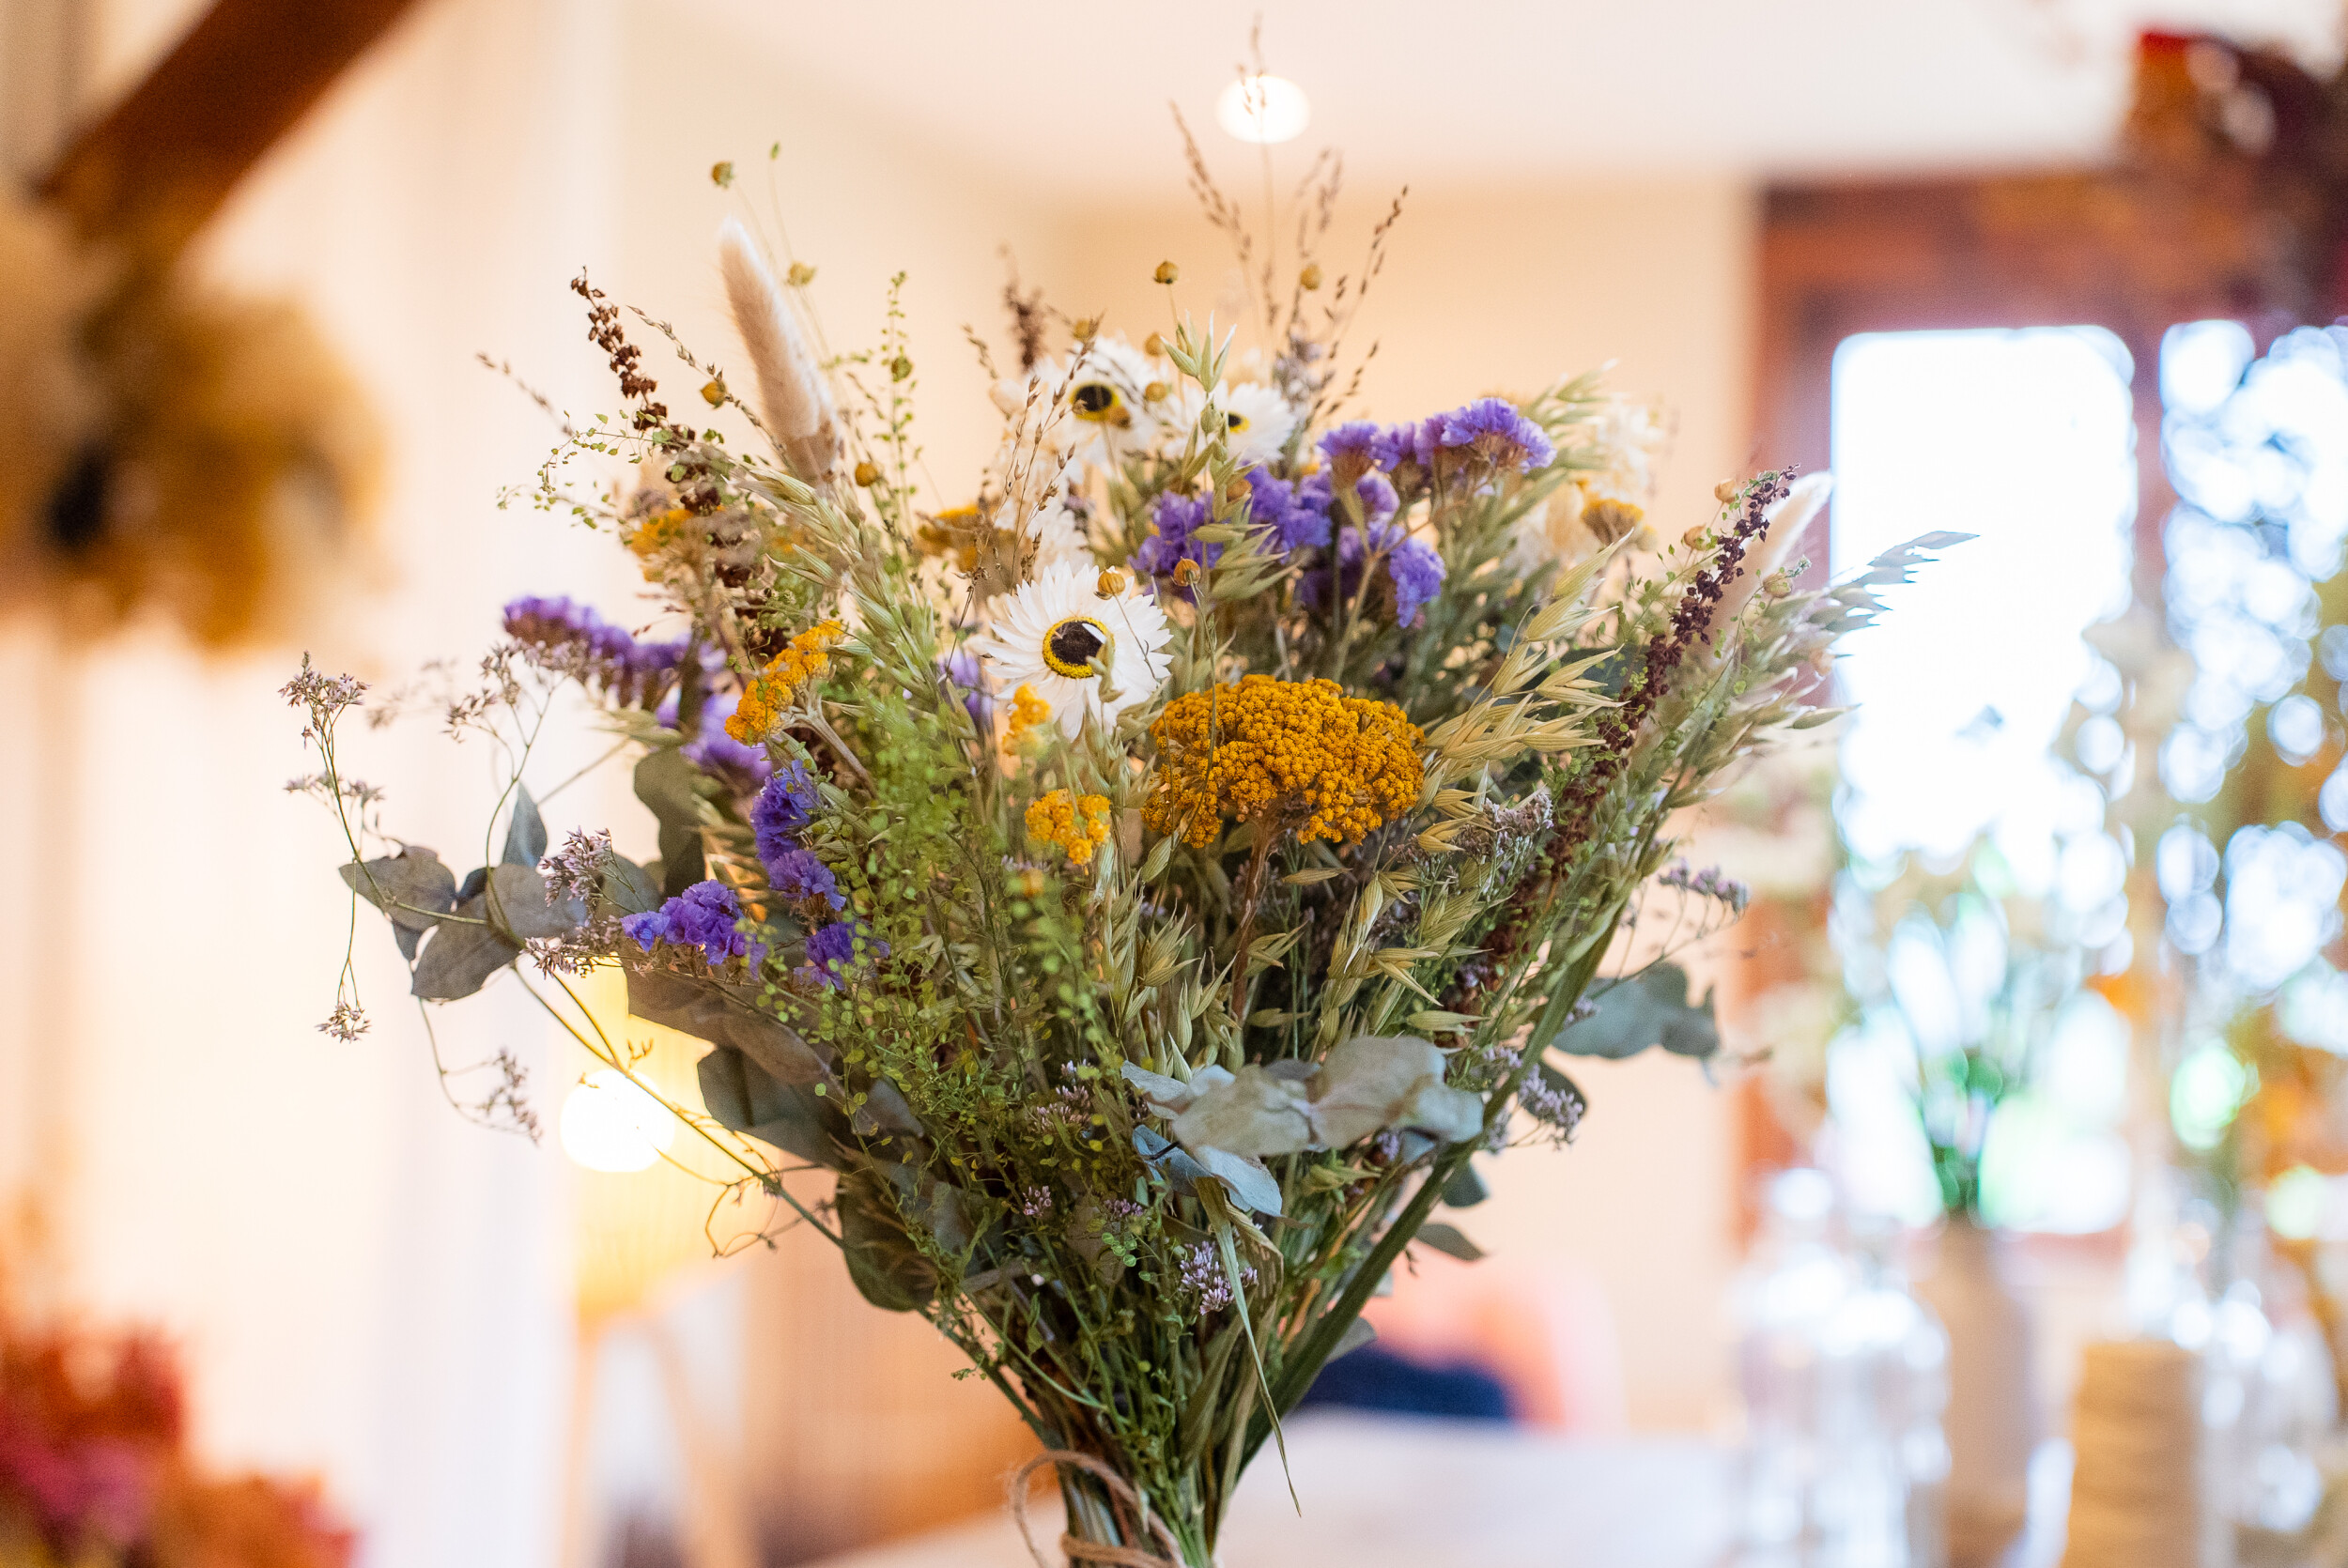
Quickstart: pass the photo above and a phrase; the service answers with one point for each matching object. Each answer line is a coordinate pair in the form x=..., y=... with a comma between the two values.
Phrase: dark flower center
x=1070, y=647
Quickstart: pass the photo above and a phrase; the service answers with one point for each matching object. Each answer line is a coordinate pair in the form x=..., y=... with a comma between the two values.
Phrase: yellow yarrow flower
x=1028, y=710
x=1077, y=825
x=805, y=657
x=1294, y=755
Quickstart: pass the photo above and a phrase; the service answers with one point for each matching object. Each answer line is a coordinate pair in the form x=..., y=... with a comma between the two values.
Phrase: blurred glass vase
x=1994, y=1420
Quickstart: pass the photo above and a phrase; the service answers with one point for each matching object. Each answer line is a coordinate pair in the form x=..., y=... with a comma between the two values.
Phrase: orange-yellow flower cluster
x=806, y=657
x=1077, y=825
x=1294, y=755
x=1028, y=710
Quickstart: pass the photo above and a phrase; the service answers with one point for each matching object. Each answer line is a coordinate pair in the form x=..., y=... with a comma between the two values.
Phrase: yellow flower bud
x=1186, y=571
x=1168, y=272
x=1695, y=537
x=715, y=392
x=1156, y=391
x=1777, y=585
x=1110, y=583
x=899, y=368
x=800, y=275
x=1085, y=329
x=867, y=473
x=721, y=173
x=1310, y=279
x=1154, y=345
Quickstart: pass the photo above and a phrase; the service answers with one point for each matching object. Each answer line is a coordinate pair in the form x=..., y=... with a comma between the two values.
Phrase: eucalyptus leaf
x=724, y=1015
x=408, y=939
x=525, y=830
x=745, y=1097
x=413, y=889
x=1465, y=1188
x=1249, y=1183
x=1649, y=1008
x=518, y=894
x=632, y=888
x=1255, y=1113
x=664, y=782
x=1371, y=1082
x=459, y=958
x=1448, y=1240
x=889, y=1270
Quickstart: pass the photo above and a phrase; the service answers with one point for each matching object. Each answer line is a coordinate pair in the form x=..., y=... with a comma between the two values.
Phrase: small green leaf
x=525, y=831
x=1448, y=1240
x=1465, y=1188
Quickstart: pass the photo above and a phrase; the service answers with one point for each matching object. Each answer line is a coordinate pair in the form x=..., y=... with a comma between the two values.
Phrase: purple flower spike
x=833, y=953
x=705, y=916
x=569, y=638
x=787, y=804
x=800, y=877
x=1495, y=430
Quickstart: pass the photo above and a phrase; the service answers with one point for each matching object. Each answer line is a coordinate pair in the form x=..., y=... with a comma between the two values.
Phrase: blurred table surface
x=1426, y=1494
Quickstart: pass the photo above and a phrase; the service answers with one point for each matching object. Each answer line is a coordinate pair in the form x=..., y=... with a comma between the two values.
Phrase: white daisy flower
x=1258, y=420
x=1049, y=634
x=1104, y=411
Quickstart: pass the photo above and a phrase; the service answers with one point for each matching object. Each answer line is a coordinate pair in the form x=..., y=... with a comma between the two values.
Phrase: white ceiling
x=1069, y=95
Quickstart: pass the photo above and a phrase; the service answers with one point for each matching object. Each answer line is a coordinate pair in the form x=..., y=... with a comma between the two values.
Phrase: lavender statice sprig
x=573, y=640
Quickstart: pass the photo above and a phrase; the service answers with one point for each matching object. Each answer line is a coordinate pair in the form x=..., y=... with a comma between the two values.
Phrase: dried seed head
x=867, y=473
x=1237, y=491
x=1186, y=571
x=1085, y=329
x=899, y=368
x=800, y=275
x=1154, y=345
x=1777, y=585
x=1310, y=279
x=715, y=392
x=721, y=173
x=1168, y=272
x=1156, y=391
x=1695, y=537
x=1110, y=583
x=1728, y=490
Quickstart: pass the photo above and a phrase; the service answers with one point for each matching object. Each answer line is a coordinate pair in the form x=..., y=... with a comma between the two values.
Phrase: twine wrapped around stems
x=1077, y=1549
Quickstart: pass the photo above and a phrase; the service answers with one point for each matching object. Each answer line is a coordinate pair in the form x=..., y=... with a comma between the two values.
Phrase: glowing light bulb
x=1263, y=110
x=609, y=1123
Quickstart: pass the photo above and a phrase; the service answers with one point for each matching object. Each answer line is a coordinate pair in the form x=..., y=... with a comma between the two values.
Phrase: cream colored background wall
x=367, y=1284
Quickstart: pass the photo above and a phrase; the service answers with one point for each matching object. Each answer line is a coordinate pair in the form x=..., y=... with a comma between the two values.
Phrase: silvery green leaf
x=724, y=1015
x=1250, y=1185
x=1169, y=1159
x=664, y=782
x=1453, y=1116
x=408, y=939
x=885, y=1109
x=1465, y=1188
x=459, y=959
x=887, y=1269
x=413, y=889
x=1357, y=1334
x=1168, y=1097
x=1368, y=1084
x=518, y=894
x=1448, y=1240
x=1650, y=1007
x=630, y=885
x=745, y=1097
x=1255, y=1113
x=525, y=831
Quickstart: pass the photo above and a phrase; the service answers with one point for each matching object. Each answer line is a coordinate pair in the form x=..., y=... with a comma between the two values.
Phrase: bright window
x=2025, y=438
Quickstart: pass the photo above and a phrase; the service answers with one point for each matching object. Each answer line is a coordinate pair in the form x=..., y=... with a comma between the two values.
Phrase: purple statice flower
x=1413, y=570
x=1285, y=510
x=796, y=875
x=786, y=804
x=1175, y=519
x=705, y=916
x=834, y=951
x=1035, y=1201
x=967, y=672
x=1354, y=448
x=1710, y=883
x=1374, y=490
x=1401, y=446
x=570, y=638
x=712, y=750
x=1495, y=430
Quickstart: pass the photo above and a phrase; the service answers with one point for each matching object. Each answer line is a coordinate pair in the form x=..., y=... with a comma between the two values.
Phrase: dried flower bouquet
x=1121, y=907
